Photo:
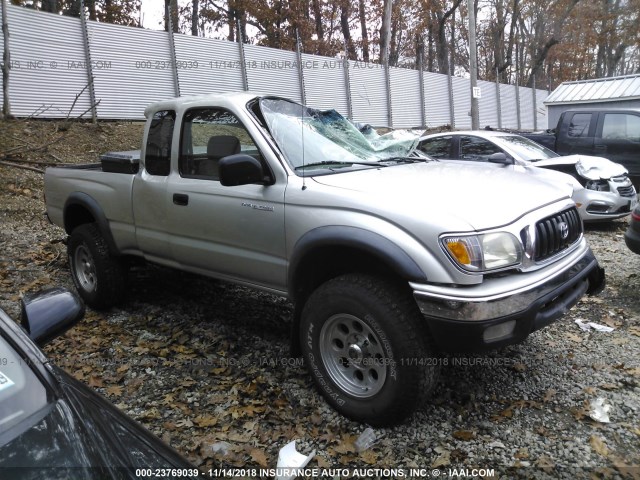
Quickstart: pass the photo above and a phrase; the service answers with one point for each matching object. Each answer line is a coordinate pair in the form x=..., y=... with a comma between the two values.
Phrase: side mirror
x=50, y=313
x=501, y=158
x=240, y=169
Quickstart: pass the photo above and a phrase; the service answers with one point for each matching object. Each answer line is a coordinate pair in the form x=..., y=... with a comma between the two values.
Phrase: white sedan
x=606, y=193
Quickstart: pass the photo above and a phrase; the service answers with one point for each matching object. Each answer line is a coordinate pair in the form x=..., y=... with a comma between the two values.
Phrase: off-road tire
x=365, y=344
x=99, y=277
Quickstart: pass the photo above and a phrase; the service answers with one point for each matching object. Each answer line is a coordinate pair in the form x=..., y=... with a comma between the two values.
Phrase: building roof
x=598, y=90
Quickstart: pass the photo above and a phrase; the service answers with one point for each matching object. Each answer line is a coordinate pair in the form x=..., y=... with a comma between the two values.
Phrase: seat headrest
x=222, y=145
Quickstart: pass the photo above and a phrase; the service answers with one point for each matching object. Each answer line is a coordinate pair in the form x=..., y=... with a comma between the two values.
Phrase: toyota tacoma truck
x=390, y=257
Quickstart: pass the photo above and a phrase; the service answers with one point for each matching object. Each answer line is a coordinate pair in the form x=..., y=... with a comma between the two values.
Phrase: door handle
x=180, y=199
x=600, y=148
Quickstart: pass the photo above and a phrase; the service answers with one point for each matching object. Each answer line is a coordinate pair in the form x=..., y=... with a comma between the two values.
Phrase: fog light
x=498, y=331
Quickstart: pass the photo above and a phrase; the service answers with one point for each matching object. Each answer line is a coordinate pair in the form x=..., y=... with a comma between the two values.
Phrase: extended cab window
x=157, y=157
x=439, y=147
x=477, y=149
x=209, y=134
x=579, y=126
x=621, y=126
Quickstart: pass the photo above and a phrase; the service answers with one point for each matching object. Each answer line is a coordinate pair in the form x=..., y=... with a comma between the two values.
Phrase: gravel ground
x=205, y=366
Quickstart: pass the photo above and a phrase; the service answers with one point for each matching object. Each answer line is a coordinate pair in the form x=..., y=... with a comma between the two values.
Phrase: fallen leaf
x=370, y=457
x=609, y=386
x=115, y=390
x=546, y=464
x=204, y=421
x=95, y=382
x=464, y=435
x=520, y=367
x=443, y=459
x=634, y=331
x=549, y=395
x=522, y=453
x=574, y=338
x=589, y=390
x=258, y=456
x=598, y=445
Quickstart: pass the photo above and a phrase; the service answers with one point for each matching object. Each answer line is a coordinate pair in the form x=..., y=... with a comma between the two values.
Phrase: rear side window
x=157, y=158
x=621, y=126
x=439, y=147
x=579, y=126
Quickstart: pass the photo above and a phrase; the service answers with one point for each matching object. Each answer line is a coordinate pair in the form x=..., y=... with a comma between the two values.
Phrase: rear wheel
x=365, y=345
x=98, y=276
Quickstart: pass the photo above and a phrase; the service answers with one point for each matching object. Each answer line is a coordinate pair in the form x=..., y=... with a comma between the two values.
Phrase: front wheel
x=365, y=345
x=98, y=276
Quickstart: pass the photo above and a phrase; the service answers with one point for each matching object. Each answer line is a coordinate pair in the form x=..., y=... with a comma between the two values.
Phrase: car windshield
x=525, y=149
x=22, y=394
x=313, y=140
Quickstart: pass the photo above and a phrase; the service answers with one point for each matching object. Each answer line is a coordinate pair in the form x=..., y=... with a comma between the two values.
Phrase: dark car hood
x=84, y=437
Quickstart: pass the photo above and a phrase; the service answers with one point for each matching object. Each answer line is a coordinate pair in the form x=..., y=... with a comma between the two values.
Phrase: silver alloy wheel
x=85, y=268
x=353, y=355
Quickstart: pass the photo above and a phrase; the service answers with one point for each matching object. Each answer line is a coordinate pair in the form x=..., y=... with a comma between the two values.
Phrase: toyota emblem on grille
x=564, y=230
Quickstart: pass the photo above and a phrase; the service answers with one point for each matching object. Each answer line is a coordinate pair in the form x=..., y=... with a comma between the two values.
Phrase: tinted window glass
x=21, y=392
x=621, y=126
x=157, y=160
x=579, y=126
x=477, y=149
x=209, y=134
x=439, y=147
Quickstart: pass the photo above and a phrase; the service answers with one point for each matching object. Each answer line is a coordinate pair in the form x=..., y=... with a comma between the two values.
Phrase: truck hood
x=479, y=195
x=591, y=168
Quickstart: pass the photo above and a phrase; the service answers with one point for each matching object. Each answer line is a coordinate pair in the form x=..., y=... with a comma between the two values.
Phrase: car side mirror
x=49, y=313
x=501, y=158
x=241, y=169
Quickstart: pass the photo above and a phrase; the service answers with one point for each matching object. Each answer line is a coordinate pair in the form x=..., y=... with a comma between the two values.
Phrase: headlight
x=479, y=253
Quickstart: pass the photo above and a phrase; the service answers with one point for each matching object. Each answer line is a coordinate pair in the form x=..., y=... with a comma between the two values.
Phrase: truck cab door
x=230, y=232
x=149, y=197
x=576, y=135
x=619, y=139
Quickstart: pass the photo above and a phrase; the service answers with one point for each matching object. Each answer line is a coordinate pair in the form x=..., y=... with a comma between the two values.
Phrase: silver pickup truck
x=389, y=256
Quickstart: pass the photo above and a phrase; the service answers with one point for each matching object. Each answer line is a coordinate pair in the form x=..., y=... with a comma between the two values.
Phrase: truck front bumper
x=464, y=319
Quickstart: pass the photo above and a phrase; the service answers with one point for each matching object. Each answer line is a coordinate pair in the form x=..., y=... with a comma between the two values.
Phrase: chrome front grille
x=627, y=191
x=556, y=233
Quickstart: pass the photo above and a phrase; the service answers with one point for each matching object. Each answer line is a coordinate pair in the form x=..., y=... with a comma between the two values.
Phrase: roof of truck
x=208, y=99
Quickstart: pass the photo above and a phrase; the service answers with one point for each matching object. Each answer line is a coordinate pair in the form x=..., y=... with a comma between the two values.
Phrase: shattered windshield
x=525, y=149
x=313, y=139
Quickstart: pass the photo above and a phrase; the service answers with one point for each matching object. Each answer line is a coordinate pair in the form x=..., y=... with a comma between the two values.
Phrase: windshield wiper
x=406, y=160
x=340, y=164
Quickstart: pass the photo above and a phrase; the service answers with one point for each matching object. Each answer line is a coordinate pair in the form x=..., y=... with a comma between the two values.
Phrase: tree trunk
x=50, y=6
x=363, y=30
x=346, y=33
x=385, y=32
x=171, y=12
x=6, y=64
x=195, y=17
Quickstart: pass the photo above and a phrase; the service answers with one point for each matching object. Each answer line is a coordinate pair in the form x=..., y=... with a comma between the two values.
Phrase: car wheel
x=365, y=344
x=98, y=276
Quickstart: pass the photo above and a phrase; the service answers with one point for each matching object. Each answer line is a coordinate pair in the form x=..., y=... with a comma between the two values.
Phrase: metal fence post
x=387, y=76
x=423, y=113
x=452, y=113
x=535, y=105
x=87, y=58
x=518, y=106
x=303, y=95
x=498, y=101
x=243, y=64
x=172, y=52
x=347, y=84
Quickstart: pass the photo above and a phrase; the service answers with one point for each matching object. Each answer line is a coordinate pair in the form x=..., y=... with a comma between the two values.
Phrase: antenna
x=304, y=177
